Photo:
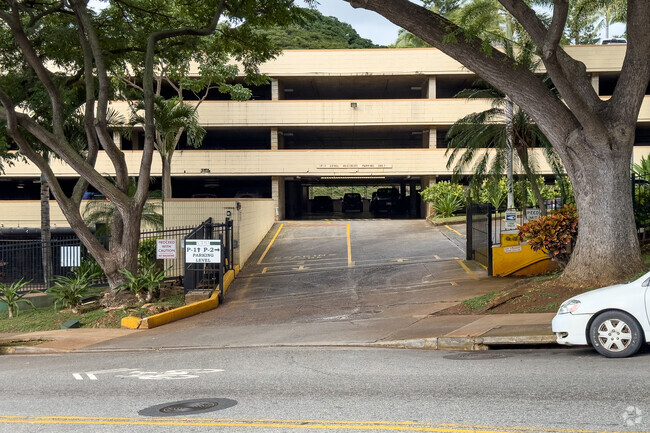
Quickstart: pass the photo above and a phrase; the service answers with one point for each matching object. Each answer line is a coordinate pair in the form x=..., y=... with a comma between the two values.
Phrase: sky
x=375, y=27
x=369, y=25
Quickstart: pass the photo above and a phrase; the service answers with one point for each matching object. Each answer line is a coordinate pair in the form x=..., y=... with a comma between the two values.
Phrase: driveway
x=329, y=282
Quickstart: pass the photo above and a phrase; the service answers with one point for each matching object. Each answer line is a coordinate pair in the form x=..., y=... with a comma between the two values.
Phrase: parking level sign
x=203, y=251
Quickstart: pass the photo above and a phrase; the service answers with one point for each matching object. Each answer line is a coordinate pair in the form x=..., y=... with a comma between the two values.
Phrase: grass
x=448, y=220
x=479, y=301
x=92, y=316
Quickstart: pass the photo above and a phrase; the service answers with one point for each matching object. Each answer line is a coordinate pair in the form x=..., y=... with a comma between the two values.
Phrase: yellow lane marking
x=455, y=231
x=259, y=262
x=287, y=424
x=350, y=262
x=468, y=270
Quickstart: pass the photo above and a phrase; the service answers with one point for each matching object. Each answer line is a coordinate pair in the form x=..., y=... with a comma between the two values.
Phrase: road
x=325, y=389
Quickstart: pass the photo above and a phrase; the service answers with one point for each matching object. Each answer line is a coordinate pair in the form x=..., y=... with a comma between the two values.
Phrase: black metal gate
x=479, y=234
x=200, y=276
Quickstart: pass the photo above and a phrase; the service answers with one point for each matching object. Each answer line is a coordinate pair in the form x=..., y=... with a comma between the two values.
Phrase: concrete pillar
x=433, y=138
x=275, y=90
x=274, y=138
x=431, y=91
x=277, y=193
x=413, y=205
x=595, y=82
x=427, y=209
x=117, y=138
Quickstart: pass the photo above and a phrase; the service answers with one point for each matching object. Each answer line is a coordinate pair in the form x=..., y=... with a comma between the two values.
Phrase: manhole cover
x=478, y=355
x=188, y=407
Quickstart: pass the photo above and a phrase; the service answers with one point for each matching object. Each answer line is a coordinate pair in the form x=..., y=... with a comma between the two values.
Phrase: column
x=431, y=91
x=274, y=138
x=275, y=90
x=433, y=138
x=277, y=193
x=595, y=82
x=427, y=209
x=117, y=138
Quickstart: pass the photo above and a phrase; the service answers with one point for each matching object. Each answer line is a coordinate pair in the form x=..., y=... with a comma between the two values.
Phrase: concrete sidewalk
x=453, y=332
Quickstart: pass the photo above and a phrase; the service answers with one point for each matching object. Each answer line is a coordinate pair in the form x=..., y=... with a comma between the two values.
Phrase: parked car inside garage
x=322, y=203
x=352, y=202
x=385, y=200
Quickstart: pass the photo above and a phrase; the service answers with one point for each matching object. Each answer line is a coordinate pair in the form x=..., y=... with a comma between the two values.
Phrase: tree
x=593, y=137
x=317, y=32
x=472, y=138
x=124, y=35
x=172, y=118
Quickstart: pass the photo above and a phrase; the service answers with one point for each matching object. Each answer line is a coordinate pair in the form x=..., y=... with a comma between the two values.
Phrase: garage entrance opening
x=353, y=198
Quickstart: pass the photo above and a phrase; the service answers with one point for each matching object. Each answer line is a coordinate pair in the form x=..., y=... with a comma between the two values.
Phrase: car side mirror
x=646, y=283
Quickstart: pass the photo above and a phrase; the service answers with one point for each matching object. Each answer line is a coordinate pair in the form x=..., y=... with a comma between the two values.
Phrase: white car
x=615, y=320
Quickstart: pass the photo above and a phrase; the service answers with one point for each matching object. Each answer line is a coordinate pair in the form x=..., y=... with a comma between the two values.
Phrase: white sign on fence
x=511, y=220
x=70, y=256
x=166, y=249
x=202, y=251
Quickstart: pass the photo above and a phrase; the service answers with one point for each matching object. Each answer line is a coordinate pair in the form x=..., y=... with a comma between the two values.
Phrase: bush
x=145, y=285
x=11, y=298
x=555, y=234
x=445, y=197
x=71, y=290
x=494, y=191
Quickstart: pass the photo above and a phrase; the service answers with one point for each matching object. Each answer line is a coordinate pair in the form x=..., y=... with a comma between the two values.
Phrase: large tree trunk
x=607, y=248
x=46, y=232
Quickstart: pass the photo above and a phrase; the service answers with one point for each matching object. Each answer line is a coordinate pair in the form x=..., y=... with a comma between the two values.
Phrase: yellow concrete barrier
x=181, y=312
x=519, y=260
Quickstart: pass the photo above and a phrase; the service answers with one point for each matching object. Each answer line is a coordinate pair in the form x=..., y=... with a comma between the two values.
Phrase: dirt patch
x=528, y=295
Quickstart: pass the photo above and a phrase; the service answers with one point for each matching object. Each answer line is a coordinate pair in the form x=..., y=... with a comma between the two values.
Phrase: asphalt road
x=318, y=389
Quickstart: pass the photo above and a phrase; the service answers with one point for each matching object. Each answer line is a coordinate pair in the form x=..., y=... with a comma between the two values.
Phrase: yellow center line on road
x=350, y=262
x=287, y=424
x=468, y=270
x=259, y=262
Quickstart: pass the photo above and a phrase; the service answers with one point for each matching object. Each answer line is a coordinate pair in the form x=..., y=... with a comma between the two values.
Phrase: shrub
x=11, y=298
x=494, y=191
x=71, y=290
x=445, y=197
x=146, y=252
x=145, y=284
x=555, y=234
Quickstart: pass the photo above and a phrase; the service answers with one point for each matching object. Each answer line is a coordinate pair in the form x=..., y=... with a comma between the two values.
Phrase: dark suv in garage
x=385, y=200
x=352, y=202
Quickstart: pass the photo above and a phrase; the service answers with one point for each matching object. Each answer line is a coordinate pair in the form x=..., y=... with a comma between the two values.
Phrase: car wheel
x=615, y=334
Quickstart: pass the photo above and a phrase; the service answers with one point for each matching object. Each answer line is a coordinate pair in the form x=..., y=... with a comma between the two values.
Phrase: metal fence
x=25, y=258
x=479, y=234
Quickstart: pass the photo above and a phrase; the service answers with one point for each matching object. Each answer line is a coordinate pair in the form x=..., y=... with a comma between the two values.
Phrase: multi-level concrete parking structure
x=329, y=117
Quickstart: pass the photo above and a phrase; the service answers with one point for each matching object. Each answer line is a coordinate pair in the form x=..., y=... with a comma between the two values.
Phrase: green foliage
x=11, y=298
x=479, y=302
x=71, y=290
x=494, y=191
x=146, y=283
x=147, y=252
x=564, y=188
x=555, y=234
x=445, y=197
x=524, y=195
x=317, y=32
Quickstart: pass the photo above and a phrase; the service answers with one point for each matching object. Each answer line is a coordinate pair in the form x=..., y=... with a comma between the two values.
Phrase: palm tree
x=172, y=117
x=101, y=213
x=480, y=140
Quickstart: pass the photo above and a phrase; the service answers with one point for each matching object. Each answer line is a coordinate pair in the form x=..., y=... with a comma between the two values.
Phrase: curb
x=183, y=312
x=470, y=343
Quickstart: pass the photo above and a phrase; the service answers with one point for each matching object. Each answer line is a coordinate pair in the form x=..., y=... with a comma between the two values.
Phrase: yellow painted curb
x=181, y=312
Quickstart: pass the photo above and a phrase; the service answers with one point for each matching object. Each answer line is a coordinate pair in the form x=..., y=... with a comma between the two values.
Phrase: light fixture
x=21, y=186
x=416, y=133
x=288, y=90
x=416, y=88
x=353, y=104
x=352, y=177
x=288, y=134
